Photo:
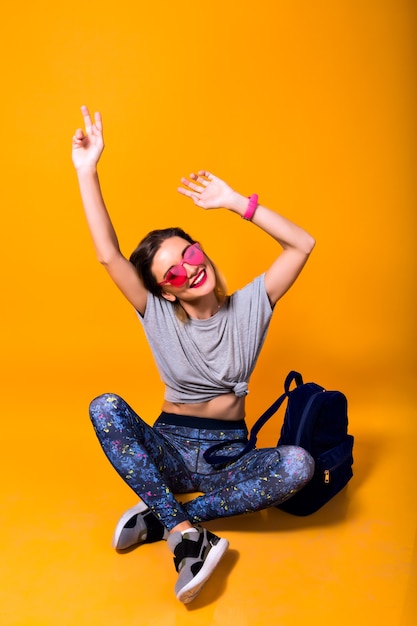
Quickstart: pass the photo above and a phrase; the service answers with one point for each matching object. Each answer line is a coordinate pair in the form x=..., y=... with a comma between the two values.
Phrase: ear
x=168, y=296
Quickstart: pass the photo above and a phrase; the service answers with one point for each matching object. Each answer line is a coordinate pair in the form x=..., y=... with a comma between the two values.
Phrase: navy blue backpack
x=316, y=420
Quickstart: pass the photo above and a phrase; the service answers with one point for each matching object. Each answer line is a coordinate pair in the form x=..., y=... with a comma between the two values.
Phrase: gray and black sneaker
x=196, y=555
x=136, y=526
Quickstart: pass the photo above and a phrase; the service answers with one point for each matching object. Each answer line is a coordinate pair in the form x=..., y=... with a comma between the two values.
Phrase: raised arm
x=87, y=147
x=209, y=192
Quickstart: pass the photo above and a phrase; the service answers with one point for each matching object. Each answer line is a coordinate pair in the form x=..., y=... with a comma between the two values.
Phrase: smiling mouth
x=199, y=279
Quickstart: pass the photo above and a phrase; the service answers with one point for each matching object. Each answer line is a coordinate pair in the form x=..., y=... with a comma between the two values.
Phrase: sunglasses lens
x=176, y=276
x=194, y=255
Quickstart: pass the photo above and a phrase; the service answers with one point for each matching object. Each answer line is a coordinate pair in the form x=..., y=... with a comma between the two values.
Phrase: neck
x=202, y=309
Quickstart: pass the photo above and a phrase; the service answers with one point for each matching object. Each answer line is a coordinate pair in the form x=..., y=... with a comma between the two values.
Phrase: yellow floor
x=310, y=104
x=350, y=563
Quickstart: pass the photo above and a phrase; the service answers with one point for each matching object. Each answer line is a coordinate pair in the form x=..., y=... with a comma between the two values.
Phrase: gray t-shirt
x=199, y=360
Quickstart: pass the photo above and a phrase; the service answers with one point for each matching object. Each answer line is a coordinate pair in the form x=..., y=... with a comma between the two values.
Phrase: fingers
x=206, y=174
x=98, y=121
x=87, y=119
x=191, y=191
x=199, y=181
x=195, y=197
x=78, y=137
x=89, y=126
x=193, y=186
x=185, y=192
x=203, y=177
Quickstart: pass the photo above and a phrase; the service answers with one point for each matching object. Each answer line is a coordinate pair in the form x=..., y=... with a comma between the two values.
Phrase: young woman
x=205, y=344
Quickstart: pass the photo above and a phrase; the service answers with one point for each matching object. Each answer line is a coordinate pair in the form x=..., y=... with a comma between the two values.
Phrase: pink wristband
x=252, y=206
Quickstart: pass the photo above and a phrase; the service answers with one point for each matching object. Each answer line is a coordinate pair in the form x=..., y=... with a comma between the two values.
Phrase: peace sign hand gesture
x=87, y=146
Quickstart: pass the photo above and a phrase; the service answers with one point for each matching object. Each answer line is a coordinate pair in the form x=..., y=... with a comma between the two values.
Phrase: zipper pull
x=326, y=476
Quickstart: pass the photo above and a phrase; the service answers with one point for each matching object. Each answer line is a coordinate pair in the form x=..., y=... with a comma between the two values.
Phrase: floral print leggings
x=166, y=459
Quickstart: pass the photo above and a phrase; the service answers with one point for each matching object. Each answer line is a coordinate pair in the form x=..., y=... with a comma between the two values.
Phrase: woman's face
x=199, y=280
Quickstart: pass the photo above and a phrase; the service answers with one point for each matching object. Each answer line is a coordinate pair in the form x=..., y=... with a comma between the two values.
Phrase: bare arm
x=86, y=151
x=210, y=192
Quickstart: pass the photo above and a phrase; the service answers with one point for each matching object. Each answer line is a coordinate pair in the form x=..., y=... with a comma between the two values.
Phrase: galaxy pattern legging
x=165, y=460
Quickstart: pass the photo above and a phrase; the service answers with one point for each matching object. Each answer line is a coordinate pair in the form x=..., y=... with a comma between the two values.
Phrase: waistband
x=207, y=423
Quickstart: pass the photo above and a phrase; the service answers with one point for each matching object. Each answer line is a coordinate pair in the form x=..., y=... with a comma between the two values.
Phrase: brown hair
x=142, y=258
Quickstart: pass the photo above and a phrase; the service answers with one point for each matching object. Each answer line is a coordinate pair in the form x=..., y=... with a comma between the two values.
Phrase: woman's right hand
x=87, y=146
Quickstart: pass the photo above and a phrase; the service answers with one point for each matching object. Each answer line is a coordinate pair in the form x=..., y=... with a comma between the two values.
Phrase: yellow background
x=309, y=104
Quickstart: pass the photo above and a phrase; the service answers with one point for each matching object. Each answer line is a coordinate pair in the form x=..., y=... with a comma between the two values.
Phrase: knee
x=104, y=406
x=300, y=461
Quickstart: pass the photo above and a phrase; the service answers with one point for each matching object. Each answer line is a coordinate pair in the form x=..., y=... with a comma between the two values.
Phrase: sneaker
x=196, y=554
x=136, y=526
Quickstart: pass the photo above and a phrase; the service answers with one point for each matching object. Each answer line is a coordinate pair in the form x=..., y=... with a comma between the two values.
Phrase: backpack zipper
x=326, y=472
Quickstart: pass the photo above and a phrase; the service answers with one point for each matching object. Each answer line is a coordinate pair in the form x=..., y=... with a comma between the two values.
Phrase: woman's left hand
x=207, y=191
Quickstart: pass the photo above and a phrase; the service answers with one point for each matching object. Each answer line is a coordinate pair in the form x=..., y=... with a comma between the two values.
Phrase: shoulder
x=156, y=308
x=255, y=290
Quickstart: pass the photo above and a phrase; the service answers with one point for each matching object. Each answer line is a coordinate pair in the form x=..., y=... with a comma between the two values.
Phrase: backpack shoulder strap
x=293, y=377
x=261, y=421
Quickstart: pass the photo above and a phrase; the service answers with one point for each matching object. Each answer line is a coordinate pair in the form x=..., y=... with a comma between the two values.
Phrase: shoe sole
x=190, y=591
x=140, y=507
